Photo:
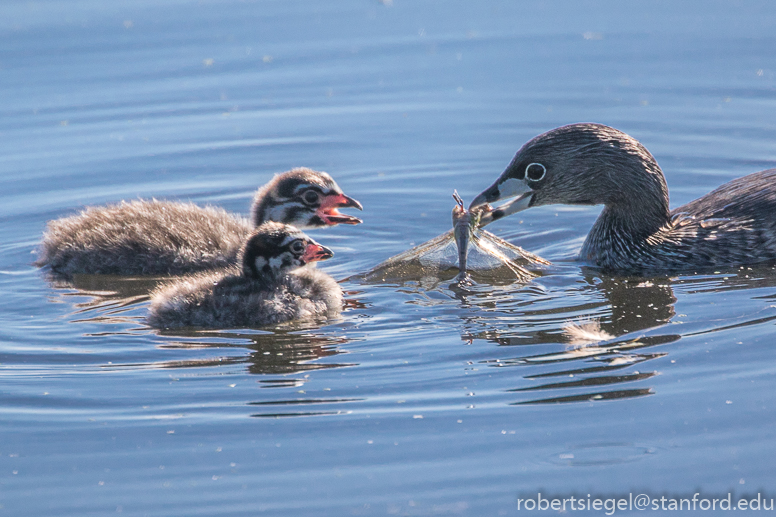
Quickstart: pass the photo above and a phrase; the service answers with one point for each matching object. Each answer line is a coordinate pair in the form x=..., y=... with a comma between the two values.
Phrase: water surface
x=422, y=399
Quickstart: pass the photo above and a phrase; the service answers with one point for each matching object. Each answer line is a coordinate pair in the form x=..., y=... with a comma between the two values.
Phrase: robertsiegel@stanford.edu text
x=610, y=505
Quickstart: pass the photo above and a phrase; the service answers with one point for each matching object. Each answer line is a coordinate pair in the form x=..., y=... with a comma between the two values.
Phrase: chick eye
x=298, y=246
x=310, y=197
x=535, y=171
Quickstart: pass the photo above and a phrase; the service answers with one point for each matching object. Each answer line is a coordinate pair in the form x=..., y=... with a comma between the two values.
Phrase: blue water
x=421, y=400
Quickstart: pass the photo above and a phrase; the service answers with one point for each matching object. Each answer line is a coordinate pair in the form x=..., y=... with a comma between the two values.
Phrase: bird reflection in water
x=110, y=299
x=605, y=344
x=282, y=358
x=279, y=352
x=590, y=353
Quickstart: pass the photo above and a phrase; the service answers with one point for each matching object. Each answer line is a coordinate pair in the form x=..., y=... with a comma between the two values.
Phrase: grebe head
x=275, y=249
x=304, y=198
x=580, y=164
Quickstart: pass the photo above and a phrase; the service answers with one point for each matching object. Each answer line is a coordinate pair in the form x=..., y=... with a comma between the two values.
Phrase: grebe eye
x=298, y=246
x=310, y=197
x=535, y=171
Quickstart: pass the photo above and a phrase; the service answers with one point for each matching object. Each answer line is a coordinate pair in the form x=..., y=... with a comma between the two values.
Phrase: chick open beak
x=315, y=252
x=330, y=215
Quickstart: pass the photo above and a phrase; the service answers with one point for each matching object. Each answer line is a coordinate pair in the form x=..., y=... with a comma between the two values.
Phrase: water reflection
x=536, y=314
x=636, y=303
x=277, y=408
x=629, y=305
x=276, y=352
x=110, y=298
x=635, y=306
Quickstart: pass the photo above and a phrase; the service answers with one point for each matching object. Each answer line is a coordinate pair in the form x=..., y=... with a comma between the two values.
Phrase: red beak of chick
x=316, y=252
x=331, y=216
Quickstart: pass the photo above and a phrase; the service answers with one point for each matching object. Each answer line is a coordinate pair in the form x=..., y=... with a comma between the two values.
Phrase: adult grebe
x=270, y=287
x=593, y=164
x=164, y=237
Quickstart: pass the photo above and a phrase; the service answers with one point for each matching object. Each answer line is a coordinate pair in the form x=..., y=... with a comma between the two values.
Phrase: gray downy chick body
x=271, y=286
x=151, y=237
x=593, y=164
